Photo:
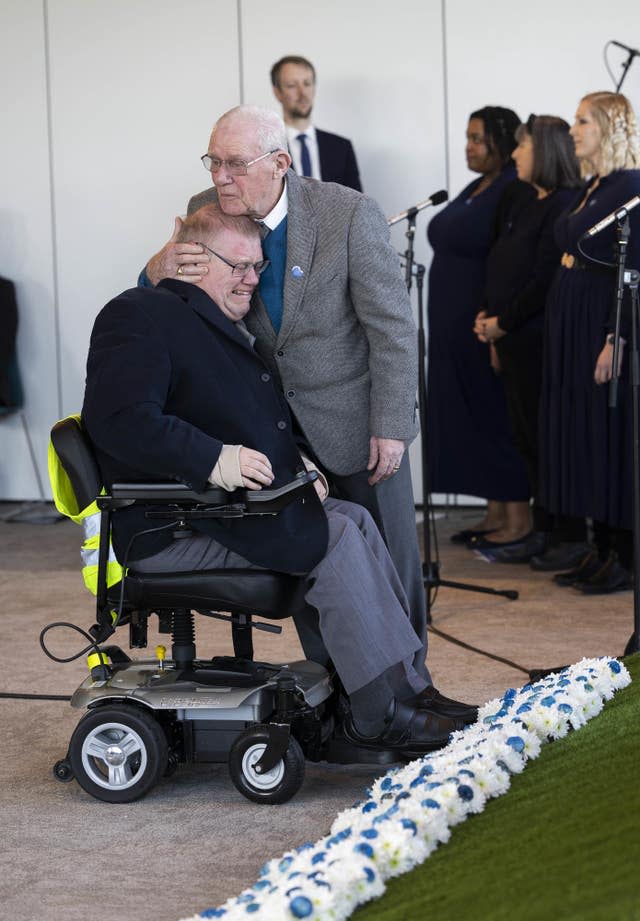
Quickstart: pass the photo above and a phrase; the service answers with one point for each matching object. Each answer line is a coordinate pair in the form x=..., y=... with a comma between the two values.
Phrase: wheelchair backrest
x=76, y=456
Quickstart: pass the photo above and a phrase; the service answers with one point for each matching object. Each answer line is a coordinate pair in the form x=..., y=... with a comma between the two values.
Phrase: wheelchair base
x=145, y=717
x=224, y=688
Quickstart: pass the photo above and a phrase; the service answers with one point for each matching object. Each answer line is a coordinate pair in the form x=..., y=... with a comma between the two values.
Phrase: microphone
x=618, y=215
x=632, y=51
x=436, y=199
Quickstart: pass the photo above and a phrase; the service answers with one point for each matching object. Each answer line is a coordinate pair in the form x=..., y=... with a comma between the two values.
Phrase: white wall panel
x=540, y=59
x=135, y=87
x=26, y=248
x=380, y=83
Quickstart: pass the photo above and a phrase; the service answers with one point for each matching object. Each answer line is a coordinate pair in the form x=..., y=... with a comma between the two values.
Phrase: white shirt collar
x=294, y=133
x=278, y=212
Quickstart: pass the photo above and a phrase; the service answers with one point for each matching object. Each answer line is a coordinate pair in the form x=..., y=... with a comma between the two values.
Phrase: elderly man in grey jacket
x=332, y=319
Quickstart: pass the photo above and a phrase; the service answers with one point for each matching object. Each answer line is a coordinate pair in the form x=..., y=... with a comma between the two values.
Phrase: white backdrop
x=107, y=107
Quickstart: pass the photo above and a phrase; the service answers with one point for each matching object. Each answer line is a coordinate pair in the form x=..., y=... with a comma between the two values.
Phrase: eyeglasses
x=239, y=269
x=235, y=166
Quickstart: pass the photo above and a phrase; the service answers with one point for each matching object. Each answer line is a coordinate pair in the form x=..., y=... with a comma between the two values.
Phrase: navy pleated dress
x=586, y=458
x=470, y=446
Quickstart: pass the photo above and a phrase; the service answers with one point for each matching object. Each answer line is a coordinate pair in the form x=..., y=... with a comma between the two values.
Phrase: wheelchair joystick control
x=161, y=652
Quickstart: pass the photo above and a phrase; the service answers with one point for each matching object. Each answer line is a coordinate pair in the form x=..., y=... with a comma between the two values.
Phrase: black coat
x=338, y=160
x=170, y=379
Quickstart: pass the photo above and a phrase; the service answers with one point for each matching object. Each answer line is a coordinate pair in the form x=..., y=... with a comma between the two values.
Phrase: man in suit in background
x=175, y=390
x=332, y=320
x=315, y=153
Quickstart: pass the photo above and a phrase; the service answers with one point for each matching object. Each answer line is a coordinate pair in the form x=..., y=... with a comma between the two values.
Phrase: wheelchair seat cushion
x=242, y=591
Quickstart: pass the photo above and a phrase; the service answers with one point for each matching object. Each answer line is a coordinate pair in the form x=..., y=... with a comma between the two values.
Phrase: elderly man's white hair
x=265, y=126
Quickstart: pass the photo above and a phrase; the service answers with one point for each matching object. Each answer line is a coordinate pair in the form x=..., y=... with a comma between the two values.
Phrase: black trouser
x=521, y=361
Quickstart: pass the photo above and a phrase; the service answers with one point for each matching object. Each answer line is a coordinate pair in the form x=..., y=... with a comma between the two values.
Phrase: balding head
x=265, y=127
x=251, y=144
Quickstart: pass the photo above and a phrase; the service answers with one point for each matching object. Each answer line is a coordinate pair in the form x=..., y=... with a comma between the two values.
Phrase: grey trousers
x=392, y=507
x=363, y=614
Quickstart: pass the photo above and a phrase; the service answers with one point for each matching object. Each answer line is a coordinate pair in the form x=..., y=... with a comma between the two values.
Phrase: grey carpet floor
x=194, y=841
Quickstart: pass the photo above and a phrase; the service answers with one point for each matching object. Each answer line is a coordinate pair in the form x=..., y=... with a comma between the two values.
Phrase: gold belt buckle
x=567, y=260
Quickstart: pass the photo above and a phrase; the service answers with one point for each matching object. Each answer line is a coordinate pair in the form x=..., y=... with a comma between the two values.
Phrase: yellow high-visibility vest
x=89, y=517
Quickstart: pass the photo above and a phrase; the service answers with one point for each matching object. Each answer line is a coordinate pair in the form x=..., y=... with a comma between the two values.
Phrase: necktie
x=305, y=159
x=274, y=247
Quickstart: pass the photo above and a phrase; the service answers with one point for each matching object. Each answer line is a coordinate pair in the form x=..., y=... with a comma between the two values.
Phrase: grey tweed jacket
x=346, y=354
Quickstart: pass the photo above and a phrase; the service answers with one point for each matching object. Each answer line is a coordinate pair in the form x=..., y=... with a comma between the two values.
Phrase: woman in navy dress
x=470, y=447
x=587, y=459
x=520, y=268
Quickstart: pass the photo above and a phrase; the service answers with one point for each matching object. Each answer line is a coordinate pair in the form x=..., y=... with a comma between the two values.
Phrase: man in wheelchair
x=175, y=391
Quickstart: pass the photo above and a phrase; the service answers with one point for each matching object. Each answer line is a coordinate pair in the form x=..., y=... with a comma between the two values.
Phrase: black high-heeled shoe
x=464, y=536
x=588, y=566
x=611, y=577
x=481, y=543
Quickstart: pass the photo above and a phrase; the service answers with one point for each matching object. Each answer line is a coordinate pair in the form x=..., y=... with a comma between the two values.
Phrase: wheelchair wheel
x=118, y=753
x=275, y=786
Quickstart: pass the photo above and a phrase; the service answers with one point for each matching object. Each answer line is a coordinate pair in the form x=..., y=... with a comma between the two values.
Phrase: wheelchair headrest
x=77, y=458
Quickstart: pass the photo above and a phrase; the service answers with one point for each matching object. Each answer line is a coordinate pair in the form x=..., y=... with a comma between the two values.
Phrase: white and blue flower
x=411, y=810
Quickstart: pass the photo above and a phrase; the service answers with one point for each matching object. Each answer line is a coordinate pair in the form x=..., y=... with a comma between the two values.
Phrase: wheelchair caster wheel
x=62, y=771
x=275, y=786
x=118, y=753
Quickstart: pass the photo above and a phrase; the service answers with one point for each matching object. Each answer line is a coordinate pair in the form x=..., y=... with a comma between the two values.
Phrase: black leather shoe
x=611, y=577
x=563, y=556
x=407, y=730
x=464, y=536
x=534, y=545
x=434, y=702
x=588, y=566
x=483, y=543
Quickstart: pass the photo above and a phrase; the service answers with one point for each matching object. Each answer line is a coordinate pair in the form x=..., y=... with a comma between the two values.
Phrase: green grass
x=562, y=844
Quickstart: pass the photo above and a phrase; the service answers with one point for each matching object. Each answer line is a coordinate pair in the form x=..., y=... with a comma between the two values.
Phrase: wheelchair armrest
x=272, y=501
x=240, y=502
x=170, y=492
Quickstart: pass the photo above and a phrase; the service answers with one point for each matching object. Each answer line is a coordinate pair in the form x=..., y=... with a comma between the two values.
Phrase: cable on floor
x=9, y=695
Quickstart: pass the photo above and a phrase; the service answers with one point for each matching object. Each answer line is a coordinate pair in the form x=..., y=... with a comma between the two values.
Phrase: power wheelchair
x=146, y=716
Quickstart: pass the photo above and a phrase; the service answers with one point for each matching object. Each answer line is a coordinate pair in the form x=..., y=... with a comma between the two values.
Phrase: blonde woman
x=587, y=456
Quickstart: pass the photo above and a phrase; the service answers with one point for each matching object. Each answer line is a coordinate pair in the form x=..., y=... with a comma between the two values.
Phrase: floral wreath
x=409, y=812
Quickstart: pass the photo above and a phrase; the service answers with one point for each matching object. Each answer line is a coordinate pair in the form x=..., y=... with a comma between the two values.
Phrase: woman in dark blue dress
x=470, y=447
x=587, y=448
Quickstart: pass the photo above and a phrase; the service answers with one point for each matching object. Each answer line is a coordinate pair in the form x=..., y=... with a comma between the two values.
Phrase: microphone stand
x=625, y=67
x=631, y=279
x=430, y=568
x=634, y=643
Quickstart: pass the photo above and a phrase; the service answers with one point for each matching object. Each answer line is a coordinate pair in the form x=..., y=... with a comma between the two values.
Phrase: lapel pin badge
x=297, y=272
